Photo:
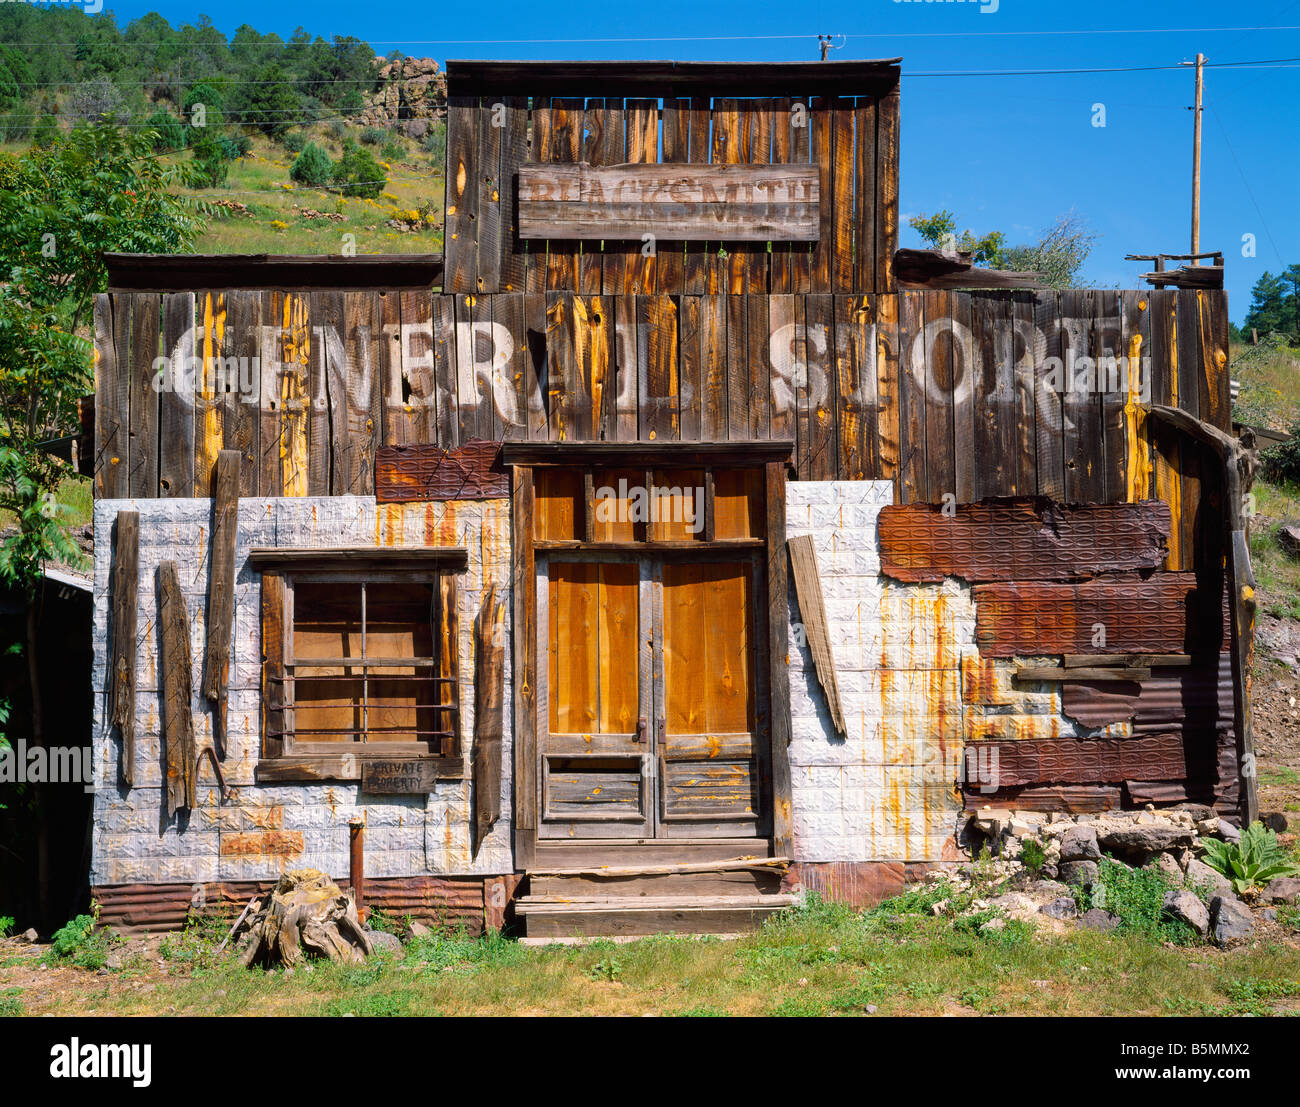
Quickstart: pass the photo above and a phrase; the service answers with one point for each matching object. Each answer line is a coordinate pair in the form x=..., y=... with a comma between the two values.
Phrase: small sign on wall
x=398, y=776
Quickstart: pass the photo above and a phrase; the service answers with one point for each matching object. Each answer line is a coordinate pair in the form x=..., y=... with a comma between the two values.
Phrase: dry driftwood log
x=308, y=915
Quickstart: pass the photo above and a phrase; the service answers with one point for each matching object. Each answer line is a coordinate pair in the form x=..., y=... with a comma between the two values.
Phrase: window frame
x=283, y=757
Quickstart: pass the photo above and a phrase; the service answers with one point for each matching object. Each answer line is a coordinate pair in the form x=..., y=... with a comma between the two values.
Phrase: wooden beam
x=1052, y=672
x=221, y=593
x=446, y=558
x=121, y=671
x=812, y=608
x=177, y=689
x=489, y=692
x=687, y=455
x=778, y=658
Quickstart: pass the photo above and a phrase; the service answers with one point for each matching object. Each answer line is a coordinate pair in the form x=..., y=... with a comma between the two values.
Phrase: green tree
x=1273, y=304
x=312, y=167
x=267, y=100
x=358, y=174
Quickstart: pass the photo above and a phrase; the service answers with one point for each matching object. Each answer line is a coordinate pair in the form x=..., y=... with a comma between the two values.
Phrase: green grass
x=1269, y=375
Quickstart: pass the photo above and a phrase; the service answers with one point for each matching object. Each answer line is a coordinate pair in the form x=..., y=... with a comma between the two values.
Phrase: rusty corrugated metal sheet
x=152, y=908
x=404, y=474
x=1077, y=799
x=1025, y=538
x=1077, y=760
x=1167, y=700
x=1138, y=615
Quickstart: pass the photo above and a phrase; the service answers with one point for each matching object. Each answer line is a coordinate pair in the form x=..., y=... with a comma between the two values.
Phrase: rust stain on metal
x=1078, y=760
x=284, y=844
x=424, y=472
x=1020, y=538
x=1100, y=703
x=1121, y=614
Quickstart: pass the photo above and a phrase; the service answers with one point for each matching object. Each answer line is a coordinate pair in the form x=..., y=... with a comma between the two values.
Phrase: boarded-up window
x=559, y=512
x=372, y=662
x=593, y=667
x=737, y=503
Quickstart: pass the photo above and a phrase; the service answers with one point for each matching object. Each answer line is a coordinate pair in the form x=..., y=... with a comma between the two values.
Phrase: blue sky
x=1009, y=152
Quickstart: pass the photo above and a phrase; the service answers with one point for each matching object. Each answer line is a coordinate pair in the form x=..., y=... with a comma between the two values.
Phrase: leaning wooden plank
x=121, y=667
x=221, y=593
x=489, y=693
x=1024, y=538
x=812, y=608
x=175, y=682
x=524, y=589
x=273, y=672
x=1162, y=614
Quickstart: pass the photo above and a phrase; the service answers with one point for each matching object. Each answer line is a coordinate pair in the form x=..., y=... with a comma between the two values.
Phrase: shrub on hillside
x=170, y=131
x=374, y=136
x=312, y=167
x=294, y=141
x=358, y=174
x=1282, y=462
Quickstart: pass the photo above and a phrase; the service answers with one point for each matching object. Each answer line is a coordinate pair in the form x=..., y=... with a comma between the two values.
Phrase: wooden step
x=620, y=915
x=734, y=876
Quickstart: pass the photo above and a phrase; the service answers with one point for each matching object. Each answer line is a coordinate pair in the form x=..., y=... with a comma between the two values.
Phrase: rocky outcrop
x=411, y=97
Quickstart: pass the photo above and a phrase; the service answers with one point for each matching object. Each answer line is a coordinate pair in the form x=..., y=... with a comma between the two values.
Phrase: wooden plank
x=176, y=407
x=112, y=402
x=818, y=460
x=812, y=611
x=1082, y=411
x=489, y=697
x=1135, y=386
x=1212, y=348
x=670, y=257
x=562, y=383
x=785, y=371
x=1187, y=323
x=715, y=416
x=659, y=387
x=591, y=261
x=562, y=251
x=737, y=368
x=207, y=404
x=1109, y=339
x=478, y=418
x=1024, y=433
x=612, y=151
x=241, y=400
x=1128, y=673
x=489, y=212
x=864, y=194
x=327, y=418
x=398, y=416
x=413, y=407
x=729, y=148
x=911, y=398
x=536, y=371
x=842, y=215
x=642, y=123
x=822, y=137
x=855, y=386
x=1048, y=358
x=690, y=369
x=540, y=151
x=121, y=666
x=696, y=260
x=940, y=379
x=142, y=479
x=887, y=161
x=514, y=152
x=460, y=234
x=175, y=683
x=1167, y=476
x=438, y=366
x=779, y=271
x=778, y=660
x=273, y=634
x=357, y=389
x=801, y=154
x=269, y=476
x=221, y=592
x=758, y=337
x=887, y=386
x=524, y=651
x=758, y=152
x=295, y=395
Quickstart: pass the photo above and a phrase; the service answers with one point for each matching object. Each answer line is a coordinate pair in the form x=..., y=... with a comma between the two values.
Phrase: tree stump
x=306, y=915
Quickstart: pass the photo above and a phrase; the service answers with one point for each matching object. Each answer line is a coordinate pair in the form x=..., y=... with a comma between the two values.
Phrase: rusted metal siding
x=1031, y=618
x=1028, y=538
x=1081, y=760
x=413, y=473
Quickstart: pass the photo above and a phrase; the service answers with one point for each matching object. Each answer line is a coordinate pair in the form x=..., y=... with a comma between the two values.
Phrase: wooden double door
x=649, y=714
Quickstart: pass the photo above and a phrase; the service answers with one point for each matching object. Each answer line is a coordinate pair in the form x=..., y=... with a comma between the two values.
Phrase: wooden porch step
x=557, y=916
x=735, y=876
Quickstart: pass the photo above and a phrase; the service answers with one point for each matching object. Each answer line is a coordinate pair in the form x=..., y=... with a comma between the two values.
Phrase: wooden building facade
x=698, y=542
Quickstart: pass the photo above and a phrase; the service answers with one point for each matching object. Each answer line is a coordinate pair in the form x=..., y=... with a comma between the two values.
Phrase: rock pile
x=1043, y=866
x=412, y=96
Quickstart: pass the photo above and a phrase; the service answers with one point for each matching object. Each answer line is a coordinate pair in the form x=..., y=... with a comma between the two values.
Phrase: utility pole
x=825, y=42
x=1196, y=159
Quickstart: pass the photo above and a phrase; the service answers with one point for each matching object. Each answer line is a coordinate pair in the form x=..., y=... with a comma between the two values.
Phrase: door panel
x=709, y=774
x=595, y=755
